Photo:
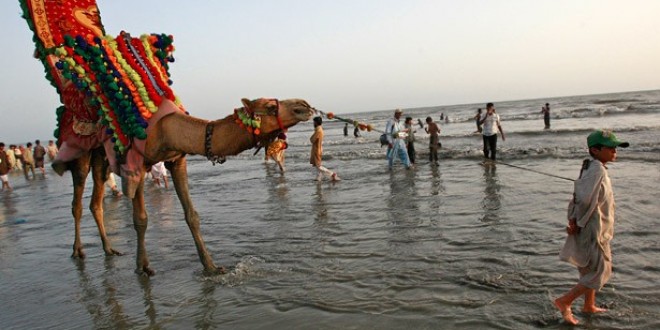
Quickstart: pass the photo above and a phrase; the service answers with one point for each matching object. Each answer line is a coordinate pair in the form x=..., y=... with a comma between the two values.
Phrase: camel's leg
x=178, y=169
x=79, y=170
x=100, y=175
x=140, y=221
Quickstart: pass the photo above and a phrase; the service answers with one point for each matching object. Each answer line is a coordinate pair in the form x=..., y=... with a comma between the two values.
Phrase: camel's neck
x=189, y=136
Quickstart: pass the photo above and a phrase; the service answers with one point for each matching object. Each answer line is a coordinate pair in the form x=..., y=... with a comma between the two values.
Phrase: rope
x=535, y=171
x=498, y=162
x=346, y=120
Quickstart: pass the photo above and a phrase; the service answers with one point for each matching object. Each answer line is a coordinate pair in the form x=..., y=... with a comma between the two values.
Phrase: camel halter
x=245, y=118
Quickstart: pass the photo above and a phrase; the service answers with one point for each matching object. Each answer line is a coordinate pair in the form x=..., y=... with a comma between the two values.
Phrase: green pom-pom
x=69, y=41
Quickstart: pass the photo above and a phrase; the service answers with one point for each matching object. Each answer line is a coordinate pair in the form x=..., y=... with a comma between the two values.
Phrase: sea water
x=457, y=246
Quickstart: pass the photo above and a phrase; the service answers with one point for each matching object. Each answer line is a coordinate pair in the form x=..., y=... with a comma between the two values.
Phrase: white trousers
x=321, y=170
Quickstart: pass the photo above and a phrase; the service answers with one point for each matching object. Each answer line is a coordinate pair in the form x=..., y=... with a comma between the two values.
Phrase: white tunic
x=491, y=124
x=593, y=209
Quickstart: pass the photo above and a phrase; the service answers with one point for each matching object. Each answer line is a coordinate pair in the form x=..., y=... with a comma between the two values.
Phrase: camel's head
x=275, y=115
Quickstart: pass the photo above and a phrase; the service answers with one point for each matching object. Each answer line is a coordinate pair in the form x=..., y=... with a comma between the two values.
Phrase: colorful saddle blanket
x=110, y=87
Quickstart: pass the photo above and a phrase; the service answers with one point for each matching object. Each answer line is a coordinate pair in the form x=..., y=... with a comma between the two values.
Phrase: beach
x=457, y=246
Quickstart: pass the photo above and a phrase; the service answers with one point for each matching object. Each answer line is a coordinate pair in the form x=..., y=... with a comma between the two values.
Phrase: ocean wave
x=616, y=101
x=645, y=153
x=373, y=137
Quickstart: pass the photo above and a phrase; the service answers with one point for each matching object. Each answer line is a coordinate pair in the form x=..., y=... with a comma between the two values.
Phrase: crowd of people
x=24, y=159
x=400, y=144
x=29, y=159
x=401, y=138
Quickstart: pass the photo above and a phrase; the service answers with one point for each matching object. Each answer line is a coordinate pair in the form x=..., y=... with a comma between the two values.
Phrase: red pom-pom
x=330, y=115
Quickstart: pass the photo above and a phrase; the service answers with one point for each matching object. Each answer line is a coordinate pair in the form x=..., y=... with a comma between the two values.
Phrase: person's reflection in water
x=96, y=303
x=319, y=205
x=209, y=305
x=278, y=191
x=402, y=210
x=491, y=202
x=8, y=212
x=435, y=204
x=436, y=181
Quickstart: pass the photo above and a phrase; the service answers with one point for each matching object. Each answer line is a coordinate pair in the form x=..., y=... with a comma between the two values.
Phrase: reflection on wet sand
x=402, y=206
x=491, y=203
x=209, y=306
x=105, y=309
x=320, y=208
x=150, y=311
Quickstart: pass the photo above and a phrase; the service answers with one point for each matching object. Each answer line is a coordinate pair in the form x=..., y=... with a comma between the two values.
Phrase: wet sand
x=461, y=246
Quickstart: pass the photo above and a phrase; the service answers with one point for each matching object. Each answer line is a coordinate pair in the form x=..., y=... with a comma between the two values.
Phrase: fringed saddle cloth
x=110, y=87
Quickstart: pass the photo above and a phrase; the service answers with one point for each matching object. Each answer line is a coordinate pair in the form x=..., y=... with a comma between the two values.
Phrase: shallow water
x=460, y=246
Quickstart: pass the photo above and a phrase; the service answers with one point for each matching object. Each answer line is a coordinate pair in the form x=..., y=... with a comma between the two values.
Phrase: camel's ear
x=246, y=102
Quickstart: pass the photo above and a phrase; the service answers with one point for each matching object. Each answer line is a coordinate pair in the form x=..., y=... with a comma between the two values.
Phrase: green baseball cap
x=605, y=138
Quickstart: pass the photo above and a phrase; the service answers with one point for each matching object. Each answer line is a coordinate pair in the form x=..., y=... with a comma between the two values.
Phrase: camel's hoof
x=145, y=271
x=78, y=254
x=113, y=252
x=215, y=271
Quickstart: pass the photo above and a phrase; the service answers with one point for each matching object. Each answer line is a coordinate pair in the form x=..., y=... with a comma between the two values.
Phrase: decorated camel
x=119, y=112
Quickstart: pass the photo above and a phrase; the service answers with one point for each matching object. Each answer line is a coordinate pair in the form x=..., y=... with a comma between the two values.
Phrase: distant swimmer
x=545, y=110
x=434, y=130
x=420, y=123
x=476, y=120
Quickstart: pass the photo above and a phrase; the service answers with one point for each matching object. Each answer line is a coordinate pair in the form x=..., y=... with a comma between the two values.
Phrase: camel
x=170, y=140
x=119, y=112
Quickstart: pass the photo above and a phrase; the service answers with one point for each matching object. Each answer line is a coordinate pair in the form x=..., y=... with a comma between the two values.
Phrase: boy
x=490, y=126
x=317, y=152
x=28, y=161
x=275, y=151
x=4, y=167
x=434, y=130
x=159, y=172
x=591, y=226
x=410, y=139
x=39, y=154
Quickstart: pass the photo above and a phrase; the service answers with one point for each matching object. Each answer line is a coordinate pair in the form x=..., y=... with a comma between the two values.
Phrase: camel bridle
x=247, y=118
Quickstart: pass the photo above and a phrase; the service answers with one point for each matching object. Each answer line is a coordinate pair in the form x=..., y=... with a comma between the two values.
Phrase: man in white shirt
x=396, y=137
x=490, y=122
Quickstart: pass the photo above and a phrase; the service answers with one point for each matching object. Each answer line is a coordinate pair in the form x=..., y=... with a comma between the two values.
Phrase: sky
x=350, y=56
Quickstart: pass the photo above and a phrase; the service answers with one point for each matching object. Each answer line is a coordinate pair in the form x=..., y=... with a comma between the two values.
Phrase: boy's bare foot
x=566, y=312
x=593, y=310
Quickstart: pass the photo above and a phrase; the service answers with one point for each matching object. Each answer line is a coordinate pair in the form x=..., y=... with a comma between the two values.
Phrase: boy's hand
x=572, y=227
